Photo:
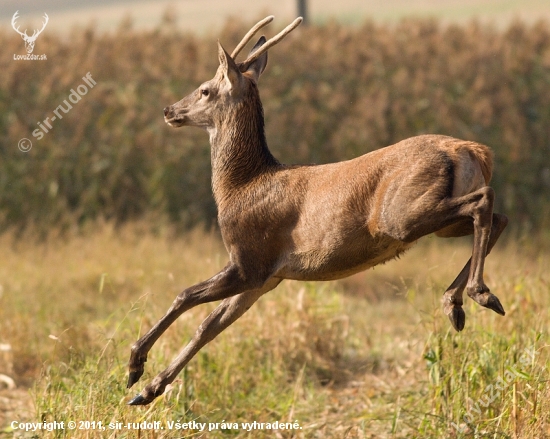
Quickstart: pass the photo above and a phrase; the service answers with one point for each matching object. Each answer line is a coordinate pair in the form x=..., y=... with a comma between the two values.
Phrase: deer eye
x=205, y=92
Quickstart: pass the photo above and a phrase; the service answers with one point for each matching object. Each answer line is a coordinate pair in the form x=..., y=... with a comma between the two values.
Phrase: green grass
x=369, y=357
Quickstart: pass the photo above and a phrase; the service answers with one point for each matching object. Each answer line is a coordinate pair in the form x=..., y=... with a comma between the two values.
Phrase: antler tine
x=250, y=34
x=44, y=23
x=13, y=20
x=272, y=41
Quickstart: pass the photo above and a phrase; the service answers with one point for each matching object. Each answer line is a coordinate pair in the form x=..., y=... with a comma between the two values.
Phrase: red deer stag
x=318, y=222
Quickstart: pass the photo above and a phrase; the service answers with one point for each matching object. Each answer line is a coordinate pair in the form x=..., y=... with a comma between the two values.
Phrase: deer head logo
x=29, y=41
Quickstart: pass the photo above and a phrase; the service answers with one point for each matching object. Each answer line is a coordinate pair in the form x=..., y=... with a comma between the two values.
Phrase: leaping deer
x=319, y=222
x=29, y=41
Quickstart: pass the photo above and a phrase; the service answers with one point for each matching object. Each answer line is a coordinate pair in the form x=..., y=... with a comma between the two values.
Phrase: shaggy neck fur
x=239, y=148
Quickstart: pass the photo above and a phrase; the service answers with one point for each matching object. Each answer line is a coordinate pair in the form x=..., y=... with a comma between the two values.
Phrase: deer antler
x=38, y=32
x=272, y=41
x=24, y=34
x=250, y=34
x=16, y=29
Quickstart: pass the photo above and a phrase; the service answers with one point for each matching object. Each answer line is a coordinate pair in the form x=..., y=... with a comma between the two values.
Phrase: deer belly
x=339, y=261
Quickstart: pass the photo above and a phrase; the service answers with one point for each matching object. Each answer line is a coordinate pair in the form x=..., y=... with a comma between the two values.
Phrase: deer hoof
x=494, y=304
x=139, y=400
x=487, y=299
x=136, y=366
x=134, y=377
x=457, y=316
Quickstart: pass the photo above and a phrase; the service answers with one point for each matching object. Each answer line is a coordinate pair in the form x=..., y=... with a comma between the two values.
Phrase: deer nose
x=166, y=111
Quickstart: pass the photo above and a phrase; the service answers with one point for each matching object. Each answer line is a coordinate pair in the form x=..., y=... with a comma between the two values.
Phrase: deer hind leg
x=452, y=298
x=226, y=283
x=430, y=213
x=224, y=315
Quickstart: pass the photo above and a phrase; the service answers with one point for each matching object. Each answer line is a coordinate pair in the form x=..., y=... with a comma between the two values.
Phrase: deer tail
x=484, y=156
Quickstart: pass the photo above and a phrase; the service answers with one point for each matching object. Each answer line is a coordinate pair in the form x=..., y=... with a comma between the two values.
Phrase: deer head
x=29, y=41
x=207, y=105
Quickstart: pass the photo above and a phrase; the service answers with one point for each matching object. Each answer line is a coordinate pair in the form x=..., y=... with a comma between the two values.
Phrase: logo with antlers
x=29, y=41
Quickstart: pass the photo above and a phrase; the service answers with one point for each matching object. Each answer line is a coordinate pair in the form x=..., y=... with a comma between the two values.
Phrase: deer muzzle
x=172, y=118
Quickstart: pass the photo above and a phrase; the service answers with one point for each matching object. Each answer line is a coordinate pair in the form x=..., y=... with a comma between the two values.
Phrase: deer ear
x=256, y=68
x=230, y=70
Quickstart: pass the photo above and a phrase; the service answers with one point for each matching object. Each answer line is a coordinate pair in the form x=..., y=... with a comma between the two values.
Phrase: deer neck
x=239, y=148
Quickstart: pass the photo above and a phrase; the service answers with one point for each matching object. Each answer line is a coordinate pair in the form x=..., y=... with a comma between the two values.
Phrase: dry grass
x=368, y=357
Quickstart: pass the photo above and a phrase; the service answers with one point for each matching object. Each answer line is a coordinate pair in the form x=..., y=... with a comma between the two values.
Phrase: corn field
x=330, y=93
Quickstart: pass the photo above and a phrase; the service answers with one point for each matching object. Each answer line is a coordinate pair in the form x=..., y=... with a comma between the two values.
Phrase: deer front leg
x=452, y=298
x=226, y=283
x=223, y=316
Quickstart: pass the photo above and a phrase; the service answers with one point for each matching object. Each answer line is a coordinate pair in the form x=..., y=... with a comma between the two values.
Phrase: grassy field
x=371, y=356
x=368, y=357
